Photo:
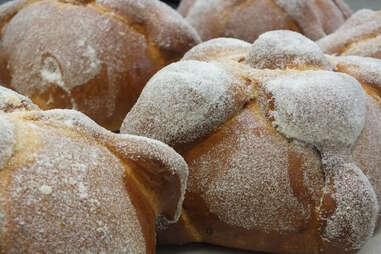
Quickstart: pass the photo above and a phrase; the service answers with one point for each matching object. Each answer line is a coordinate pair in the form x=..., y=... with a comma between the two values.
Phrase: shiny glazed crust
x=92, y=56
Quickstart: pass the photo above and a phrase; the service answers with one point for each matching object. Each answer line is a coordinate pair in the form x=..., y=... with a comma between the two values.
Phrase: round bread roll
x=358, y=36
x=283, y=152
x=247, y=19
x=69, y=186
x=92, y=56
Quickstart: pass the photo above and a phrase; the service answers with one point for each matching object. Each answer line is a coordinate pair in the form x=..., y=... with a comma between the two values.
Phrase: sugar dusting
x=183, y=102
x=302, y=11
x=367, y=150
x=365, y=69
x=220, y=47
x=354, y=219
x=244, y=178
x=11, y=101
x=71, y=188
x=318, y=107
x=58, y=59
x=127, y=147
x=328, y=110
x=286, y=49
x=360, y=36
x=7, y=140
x=247, y=20
x=46, y=189
x=313, y=109
x=115, y=47
x=166, y=28
x=48, y=206
x=51, y=74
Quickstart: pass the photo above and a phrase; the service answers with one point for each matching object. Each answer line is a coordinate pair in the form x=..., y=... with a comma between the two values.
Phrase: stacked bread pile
x=268, y=146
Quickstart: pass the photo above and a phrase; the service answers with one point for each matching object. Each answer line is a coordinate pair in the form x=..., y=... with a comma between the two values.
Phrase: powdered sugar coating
x=8, y=9
x=239, y=170
x=184, y=102
x=356, y=212
x=67, y=61
x=67, y=186
x=7, y=140
x=216, y=48
x=166, y=28
x=365, y=69
x=244, y=179
x=11, y=101
x=318, y=107
x=311, y=18
x=131, y=148
x=286, y=49
x=367, y=47
x=367, y=149
x=66, y=199
x=360, y=36
x=246, y=19
x=90, y=68
x=199, y=17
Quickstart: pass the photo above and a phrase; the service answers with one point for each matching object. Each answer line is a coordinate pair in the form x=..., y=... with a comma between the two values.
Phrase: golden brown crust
x=360, y=35
x=11, y=101
x=94, y=57
x=281, y=167
x=247, y=19
x=210, y=228
x=71, y=186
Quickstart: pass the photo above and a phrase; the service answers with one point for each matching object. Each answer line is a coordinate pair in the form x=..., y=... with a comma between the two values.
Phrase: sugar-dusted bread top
x=246, y=19
x=360, y=35
x=11, y=101
x=92, y=56
x=286, y=147
x=68, y=185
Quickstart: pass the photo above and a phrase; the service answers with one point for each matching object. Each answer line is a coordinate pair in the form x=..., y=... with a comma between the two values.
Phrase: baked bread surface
x=283, y=146
x=92, y=56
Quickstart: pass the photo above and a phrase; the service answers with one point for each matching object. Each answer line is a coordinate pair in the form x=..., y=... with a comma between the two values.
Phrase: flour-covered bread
x=69, y=186
x=360, y=35
x=283, y=147
x=247, y=19
x=92, y=56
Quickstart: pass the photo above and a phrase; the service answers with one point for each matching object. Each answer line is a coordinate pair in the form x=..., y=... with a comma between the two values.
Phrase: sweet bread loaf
x=360, y=35
x=282, y=146
x=69, y=186
x=93, y=56
x=247, y=19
